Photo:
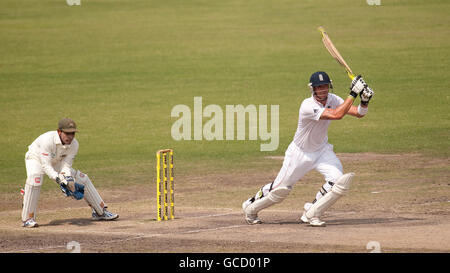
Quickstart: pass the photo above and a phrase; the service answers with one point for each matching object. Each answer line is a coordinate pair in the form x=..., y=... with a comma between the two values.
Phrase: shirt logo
x=316, y=110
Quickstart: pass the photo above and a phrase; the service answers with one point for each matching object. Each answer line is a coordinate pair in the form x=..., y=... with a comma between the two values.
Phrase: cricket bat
x=334, y=52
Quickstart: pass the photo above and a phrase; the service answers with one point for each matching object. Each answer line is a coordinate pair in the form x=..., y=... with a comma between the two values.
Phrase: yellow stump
x=171, y=188
x=165, y=185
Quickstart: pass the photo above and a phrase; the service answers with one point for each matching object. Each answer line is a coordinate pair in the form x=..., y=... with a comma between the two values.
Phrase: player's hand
x=366, y=95
x=357, y=85
x=73, y=189
x=61, y=179
x=65, y=180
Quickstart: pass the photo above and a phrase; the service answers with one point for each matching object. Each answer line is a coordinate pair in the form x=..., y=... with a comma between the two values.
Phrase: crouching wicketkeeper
x=52, y=153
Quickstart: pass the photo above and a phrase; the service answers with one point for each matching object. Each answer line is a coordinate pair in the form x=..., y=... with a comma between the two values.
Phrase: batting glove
x=366, y=95
x=357, y=85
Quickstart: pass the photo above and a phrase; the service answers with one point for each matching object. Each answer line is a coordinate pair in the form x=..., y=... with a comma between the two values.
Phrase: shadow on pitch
x=352, y=222
x=74, y=221
x=369, y=221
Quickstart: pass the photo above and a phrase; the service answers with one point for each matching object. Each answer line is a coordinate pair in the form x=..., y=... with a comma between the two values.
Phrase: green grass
x=119, y=67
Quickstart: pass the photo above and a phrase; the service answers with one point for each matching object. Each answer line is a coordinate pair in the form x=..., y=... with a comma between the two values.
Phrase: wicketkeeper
x=310, y=150
x=52, y=153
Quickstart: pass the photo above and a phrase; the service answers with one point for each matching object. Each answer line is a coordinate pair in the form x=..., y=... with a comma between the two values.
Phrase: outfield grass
x=119, y=67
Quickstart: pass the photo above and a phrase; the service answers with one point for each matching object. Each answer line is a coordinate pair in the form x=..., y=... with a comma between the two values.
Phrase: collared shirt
x=52, y=154
x=312, y=132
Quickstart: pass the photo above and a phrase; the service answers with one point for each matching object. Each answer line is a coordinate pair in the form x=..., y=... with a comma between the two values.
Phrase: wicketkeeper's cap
x=67, y=125
x=319, y=78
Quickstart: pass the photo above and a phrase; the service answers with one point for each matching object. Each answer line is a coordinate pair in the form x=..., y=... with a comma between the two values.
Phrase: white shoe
x=30, y=223
x=252, y=219
x=315, y=222
x=107, y=216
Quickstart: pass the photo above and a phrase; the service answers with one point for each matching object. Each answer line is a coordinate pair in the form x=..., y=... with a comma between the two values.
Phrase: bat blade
x=334, y=52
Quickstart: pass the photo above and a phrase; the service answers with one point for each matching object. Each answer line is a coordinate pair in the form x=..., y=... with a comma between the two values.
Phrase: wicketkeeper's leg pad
x=340, y=188
x=274, y=196
x=31, y=196
x=91, y=195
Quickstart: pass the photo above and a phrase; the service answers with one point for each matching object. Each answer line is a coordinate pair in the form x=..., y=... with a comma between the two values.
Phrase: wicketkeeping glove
x=366, y=95
x=357, y=85
x=69, y=187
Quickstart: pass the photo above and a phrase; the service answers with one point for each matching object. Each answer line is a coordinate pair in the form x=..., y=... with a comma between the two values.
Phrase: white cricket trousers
x=298, y=163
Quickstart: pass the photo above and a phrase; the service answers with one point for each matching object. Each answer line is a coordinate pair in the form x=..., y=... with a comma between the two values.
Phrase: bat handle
x=350, y=75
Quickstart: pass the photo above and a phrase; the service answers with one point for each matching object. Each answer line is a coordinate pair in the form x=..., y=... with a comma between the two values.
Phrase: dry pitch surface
x=402, y=202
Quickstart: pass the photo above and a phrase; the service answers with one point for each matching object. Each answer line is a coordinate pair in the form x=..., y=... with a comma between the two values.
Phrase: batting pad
x=339, y=189
x=91, y=194
x=31, y=196
x=275, y=196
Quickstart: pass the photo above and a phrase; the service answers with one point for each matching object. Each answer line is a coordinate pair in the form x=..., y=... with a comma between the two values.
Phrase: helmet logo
x=321, y=77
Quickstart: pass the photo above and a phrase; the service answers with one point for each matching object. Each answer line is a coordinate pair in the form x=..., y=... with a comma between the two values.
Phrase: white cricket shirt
x=52, y=154
x=312, y=133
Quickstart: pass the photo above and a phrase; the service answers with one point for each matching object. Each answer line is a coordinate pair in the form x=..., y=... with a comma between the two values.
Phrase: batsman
x=53, y=153
x=310, y=150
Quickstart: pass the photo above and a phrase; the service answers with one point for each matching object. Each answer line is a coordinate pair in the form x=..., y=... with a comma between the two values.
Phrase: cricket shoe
x=314, y=221
x=106, y=216
x=251, y=219
x=30, y=223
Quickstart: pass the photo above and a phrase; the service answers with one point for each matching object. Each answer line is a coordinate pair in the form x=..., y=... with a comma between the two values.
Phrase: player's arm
x=45, y=156
x=357, y=111
x=362, y=109
x=340, y=111
x=46, y=161
x=48, y=168
x=356, y=87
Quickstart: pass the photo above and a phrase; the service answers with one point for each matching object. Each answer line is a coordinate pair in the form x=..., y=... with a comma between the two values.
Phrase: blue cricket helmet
x=319, y=78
